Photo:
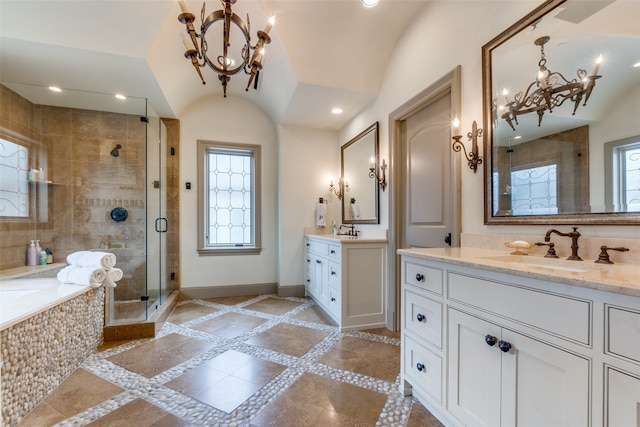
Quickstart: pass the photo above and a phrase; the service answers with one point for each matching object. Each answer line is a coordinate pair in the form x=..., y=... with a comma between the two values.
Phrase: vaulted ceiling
x=323, y=53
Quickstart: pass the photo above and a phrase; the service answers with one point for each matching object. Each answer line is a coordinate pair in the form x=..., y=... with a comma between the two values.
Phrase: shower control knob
x=420, y=367
x=420, y=277
x=420, y=317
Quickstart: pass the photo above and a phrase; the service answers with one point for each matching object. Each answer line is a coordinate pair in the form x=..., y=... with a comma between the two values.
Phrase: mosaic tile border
x=394, y=413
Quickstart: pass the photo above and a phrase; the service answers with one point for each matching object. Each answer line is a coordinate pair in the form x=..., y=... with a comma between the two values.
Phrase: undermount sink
x=549, y=263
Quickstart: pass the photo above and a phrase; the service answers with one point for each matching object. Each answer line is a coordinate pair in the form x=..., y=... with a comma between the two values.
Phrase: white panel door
x=474, y=371
x=543, y=385
x=428, y=176
x=623, y=400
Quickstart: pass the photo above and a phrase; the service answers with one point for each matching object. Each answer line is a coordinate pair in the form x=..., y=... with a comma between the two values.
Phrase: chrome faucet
x=574, y=235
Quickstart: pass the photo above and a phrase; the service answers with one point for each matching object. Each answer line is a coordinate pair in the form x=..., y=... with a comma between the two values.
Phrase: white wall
x=307, y=161
x=228, y=120
x=444, y=35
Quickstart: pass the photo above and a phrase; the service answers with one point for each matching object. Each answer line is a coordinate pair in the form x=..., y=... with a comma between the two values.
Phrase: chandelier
x=549, y=90
x=224, y=63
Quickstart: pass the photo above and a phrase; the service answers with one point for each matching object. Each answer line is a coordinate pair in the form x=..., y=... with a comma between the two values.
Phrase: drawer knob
x=333, y=273
x=333, y=252
x=333, y=299
x=504, y=346
x=491, y=340
x=318, y=261
x=421, y=367
x=420, y=317
x=420, y=277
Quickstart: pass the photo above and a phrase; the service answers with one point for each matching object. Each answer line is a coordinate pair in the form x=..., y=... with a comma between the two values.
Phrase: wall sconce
x=372, y=173
x=340, y=190
x=473, y=160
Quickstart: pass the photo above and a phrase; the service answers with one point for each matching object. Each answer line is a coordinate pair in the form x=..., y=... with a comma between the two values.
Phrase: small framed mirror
x=561, y=95
x=360, y=203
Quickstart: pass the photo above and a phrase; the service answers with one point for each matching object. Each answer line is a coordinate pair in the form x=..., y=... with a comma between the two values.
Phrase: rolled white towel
x=105, y=260
x=113, y=276
x=85, y=276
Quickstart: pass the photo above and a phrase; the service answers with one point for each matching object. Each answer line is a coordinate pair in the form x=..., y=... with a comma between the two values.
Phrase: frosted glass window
x=534, y=191
x=229, y=199
x=630, y=158
x=14, y=188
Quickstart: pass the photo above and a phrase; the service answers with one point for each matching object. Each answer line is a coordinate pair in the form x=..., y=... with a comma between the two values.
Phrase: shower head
x=115, y=152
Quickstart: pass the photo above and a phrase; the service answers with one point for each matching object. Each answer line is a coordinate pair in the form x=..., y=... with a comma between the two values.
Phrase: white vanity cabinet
x=488, y=347
x=347, y=278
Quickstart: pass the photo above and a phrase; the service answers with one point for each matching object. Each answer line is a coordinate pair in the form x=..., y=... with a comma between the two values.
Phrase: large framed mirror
x=562, y=135
x=360, y=204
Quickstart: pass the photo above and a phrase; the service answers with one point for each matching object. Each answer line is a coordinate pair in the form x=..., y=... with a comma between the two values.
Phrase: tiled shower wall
x=74, y=212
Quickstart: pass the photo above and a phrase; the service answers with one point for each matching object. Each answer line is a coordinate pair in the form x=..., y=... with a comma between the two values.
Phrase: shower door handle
x=162, y=225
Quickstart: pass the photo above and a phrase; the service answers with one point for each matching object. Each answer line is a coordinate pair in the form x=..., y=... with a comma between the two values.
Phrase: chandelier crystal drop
x=549, y=90
x=224, y=64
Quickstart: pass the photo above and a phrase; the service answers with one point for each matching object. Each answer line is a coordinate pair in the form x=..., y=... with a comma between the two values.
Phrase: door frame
x=451, y=83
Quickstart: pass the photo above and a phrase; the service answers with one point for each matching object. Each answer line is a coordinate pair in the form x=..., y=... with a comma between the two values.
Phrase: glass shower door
x=157, y=222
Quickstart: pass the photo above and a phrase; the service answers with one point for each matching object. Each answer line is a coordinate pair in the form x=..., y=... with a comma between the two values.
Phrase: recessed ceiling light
x=517, y=137
x=636, y=65
x=369, y=3
x=55, y=89
x=336, y=110
x=120, y=96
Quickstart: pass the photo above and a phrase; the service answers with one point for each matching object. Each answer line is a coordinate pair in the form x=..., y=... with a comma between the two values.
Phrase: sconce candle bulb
x=473, y=159
x=343, y=187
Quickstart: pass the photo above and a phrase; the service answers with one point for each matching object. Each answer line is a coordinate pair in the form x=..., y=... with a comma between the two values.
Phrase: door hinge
x=144, y=298
x=173, y=275
x=447, y=239
x=144, y=119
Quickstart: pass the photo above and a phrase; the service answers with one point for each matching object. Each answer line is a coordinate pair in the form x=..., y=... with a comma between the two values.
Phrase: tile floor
x=244, y=361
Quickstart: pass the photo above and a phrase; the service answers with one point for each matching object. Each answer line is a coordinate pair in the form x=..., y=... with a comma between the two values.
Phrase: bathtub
x=47, y=329
x=24, y=298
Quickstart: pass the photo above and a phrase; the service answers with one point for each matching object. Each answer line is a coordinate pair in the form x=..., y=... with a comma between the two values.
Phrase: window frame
x=615, y=184
x=204, y=147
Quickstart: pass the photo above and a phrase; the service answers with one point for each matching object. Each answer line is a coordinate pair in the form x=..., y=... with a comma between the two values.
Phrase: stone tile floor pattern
x=240, y=361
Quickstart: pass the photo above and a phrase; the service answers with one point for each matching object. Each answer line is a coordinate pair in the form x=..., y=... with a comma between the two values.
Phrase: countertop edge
x=472, y=259
x=347, y=239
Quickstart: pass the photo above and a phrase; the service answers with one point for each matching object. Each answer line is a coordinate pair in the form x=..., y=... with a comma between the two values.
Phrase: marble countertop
x=618, y=278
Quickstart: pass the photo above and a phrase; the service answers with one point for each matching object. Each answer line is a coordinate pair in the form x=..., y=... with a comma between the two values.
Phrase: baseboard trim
x=241, y=290
x=291, y=291
x=227, y=291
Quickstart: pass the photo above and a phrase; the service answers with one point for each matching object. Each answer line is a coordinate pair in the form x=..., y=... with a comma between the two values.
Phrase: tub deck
x=24, y=298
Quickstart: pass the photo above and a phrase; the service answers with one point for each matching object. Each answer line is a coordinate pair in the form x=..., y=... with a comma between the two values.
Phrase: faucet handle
x=551, y=253
x=603, y=258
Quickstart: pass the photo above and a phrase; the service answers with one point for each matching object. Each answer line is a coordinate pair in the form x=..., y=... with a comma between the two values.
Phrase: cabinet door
x=474, y=371
x=623, y=400
x=318, y=276
x=543, y=385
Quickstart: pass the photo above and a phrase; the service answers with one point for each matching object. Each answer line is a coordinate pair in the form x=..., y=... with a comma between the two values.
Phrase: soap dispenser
x=32, y=254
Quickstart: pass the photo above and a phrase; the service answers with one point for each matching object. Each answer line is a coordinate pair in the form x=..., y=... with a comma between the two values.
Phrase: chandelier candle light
x=549, y=90
x=223, y=64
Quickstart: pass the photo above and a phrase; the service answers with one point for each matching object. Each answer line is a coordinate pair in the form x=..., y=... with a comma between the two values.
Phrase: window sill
x=229, y=251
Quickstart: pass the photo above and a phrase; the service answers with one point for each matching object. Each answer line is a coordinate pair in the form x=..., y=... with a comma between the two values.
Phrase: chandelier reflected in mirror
x=226, y=62
x=549, y=90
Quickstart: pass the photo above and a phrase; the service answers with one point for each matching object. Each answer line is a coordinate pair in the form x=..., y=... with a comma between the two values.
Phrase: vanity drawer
x=334, y=252
x=423, y=317
x=317, y=247
x=427, y=278
x=422, y=368
x=623, y=328
x=334, y=274
x=556, y=314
